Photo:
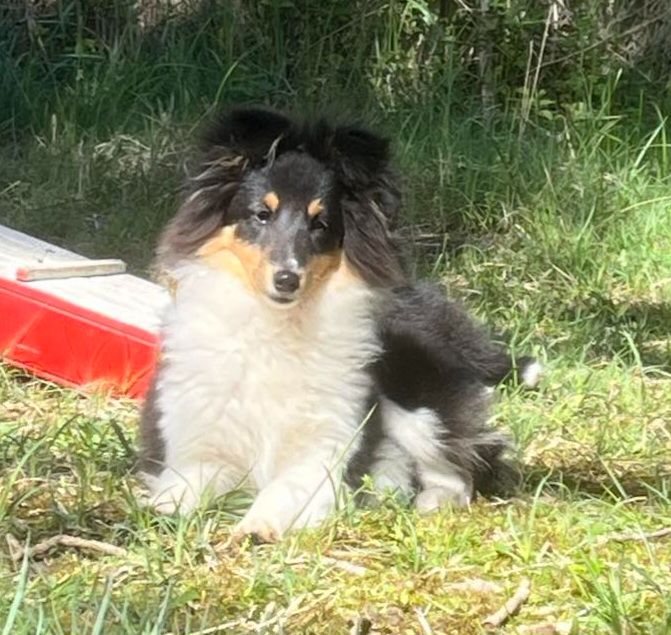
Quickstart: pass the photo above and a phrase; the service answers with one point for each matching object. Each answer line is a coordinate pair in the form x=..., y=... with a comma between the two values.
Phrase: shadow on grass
x=617, y=480
x=634, y=331
x=650, y=324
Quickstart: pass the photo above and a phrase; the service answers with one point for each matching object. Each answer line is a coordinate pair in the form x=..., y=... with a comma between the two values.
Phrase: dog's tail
x=530, y=371
x=499, y=367
x=444, y=330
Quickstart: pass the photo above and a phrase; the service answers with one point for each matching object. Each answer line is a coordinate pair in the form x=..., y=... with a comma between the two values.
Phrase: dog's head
x=284, y=205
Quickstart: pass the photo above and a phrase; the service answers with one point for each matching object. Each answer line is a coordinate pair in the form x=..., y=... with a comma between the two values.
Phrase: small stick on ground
x=627, y=537
x=15, y=549
x=345, y=565
x=74, y=542
x=548, y=628
x=423, y=622
x=476, y=585
x=511, y=607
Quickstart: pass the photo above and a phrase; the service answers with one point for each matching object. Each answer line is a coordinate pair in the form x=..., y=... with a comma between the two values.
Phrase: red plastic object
x=73, y=345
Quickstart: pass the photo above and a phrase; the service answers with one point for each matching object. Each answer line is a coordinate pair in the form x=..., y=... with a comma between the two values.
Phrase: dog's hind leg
x=442, y=485
x=454, y=452
x=418, y=432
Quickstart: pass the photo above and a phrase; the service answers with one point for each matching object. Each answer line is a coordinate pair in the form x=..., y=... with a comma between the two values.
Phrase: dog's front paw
x=168, y=498
x=432, y=499
x=172, y=502
x=258, y=528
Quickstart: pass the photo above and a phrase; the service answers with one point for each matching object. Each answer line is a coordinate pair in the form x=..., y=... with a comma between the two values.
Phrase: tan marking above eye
x=271, y=201
x=315, y=207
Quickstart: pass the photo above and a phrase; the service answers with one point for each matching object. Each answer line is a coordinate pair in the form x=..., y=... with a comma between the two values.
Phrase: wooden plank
x=70, y=269
x=77, y=331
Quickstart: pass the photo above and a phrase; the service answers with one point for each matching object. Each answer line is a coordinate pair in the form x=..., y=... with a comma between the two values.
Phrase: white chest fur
x=248, y=388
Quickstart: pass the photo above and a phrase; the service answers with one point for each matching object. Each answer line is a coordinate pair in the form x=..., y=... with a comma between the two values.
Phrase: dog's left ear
x=370, y=204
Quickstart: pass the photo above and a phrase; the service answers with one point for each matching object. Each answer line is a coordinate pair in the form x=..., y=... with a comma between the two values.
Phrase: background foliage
x=533, y=140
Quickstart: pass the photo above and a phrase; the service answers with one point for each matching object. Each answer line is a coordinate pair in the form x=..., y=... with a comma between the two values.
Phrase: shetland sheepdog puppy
x=296, y=355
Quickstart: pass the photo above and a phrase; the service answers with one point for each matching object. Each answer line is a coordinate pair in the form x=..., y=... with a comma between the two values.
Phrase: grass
x=555, y=229
x=595, y=441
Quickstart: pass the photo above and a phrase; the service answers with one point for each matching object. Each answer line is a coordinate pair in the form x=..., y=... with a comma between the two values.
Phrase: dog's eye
x=318, y=224
x=263, y=216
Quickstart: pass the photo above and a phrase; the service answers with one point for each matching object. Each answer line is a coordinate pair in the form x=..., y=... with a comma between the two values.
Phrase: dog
x=297, y=357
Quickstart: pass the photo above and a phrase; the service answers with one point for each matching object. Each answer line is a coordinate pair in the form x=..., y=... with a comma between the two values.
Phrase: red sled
x=79, y=330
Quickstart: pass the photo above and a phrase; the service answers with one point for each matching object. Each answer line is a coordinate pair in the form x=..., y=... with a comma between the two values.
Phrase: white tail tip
x=531, y=375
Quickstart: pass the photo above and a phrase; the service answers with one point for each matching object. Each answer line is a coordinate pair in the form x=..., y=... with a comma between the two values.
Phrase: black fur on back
x=435, y=356
x=444, y=330
x=244, y=140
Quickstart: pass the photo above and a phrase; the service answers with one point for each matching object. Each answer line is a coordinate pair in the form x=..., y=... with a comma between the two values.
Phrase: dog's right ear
x=251, y=133
x=237, y=142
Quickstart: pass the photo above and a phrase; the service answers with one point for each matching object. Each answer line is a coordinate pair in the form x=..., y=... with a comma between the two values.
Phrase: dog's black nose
x=286, y=281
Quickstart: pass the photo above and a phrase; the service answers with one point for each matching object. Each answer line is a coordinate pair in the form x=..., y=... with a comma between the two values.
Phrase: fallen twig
x=67, y=541
x=626, y=537
x=345, y=565
x=423, y=622
x=15, y=549
x=476, y=585
x=548, y=628
x=511, y=607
